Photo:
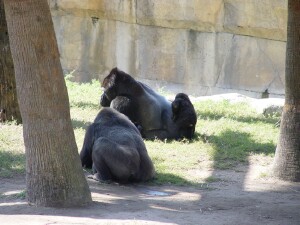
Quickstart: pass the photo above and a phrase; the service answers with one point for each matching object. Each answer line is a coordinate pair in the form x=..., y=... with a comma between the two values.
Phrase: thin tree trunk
x=287, y=157
x=8, y=92
x=54, y=176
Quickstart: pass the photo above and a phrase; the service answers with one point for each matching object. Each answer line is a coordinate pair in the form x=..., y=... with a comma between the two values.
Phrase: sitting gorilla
x=145, y=108
x=115, y=150
x=184, y=115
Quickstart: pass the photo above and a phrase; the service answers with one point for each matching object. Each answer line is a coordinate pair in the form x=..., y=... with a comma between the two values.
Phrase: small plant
x=16, y=195
x=263, y=175
x=69, y=75
x=21, y=195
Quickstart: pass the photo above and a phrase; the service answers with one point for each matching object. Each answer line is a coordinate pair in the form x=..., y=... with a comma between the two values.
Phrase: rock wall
x=201, y=47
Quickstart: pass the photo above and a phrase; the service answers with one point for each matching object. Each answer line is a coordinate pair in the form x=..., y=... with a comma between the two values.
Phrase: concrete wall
x=201, y=47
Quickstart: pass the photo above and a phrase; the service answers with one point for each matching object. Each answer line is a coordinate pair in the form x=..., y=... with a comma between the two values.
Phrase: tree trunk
x=287, y=157
x=8, y=92
x=54, y=176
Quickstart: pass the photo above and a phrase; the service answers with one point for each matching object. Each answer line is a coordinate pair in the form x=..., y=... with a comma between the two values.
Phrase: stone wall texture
x=200, y=47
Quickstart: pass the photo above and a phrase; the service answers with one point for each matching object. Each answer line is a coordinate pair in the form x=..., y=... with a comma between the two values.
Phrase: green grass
x=235, y=131
x=12, y=158
x=226, y=135
x=18, y=195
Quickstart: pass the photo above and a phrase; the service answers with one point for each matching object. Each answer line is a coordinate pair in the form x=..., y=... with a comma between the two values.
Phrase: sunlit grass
x=226, y=134
x=12, y=157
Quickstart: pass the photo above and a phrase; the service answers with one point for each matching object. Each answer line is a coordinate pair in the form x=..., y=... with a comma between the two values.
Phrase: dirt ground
x=244, y=195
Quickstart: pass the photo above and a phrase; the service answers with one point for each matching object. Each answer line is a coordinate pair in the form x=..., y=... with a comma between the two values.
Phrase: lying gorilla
x=144, y=107
x=115, y=150
x=184, y=115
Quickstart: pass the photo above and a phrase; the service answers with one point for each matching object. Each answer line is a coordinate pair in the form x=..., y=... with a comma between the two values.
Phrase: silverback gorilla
x=115, y=150
x=184, y=115
x=151, y=112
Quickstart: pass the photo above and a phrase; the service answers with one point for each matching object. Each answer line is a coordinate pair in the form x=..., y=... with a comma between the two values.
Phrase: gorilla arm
x=86, y=151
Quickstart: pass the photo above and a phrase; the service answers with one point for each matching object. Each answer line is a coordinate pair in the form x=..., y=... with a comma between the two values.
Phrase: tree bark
x=8, y=92
x=54, y=176
x=287, y=157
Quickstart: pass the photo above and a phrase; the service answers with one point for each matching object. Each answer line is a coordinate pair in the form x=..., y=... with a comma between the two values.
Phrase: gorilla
x=114, y=148
x=151, y=112
x=184, y=115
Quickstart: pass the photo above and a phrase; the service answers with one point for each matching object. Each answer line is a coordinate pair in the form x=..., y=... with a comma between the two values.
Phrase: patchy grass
x=235, y=131
x=212, y=179
x=12, y=157
x=226, y=135
x=15, y=195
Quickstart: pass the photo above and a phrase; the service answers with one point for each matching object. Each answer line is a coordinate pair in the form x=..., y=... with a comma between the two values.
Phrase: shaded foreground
x=240, y=196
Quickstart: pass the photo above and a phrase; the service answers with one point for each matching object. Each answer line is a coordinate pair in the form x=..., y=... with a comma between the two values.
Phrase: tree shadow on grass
x=11, y=163
x=168, y=178
x=232, y=147
x=159, y=179
x=85, y=105
x=79, y=124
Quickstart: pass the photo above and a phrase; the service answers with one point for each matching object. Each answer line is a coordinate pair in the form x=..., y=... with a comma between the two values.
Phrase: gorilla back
x=115, y=149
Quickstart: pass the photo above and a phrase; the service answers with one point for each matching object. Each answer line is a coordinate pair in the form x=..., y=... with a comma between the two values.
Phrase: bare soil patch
x=245, y=195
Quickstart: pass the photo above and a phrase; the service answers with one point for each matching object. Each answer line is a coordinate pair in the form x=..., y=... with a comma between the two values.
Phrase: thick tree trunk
x=287, y=157
x=8, y=92
x=54, y=176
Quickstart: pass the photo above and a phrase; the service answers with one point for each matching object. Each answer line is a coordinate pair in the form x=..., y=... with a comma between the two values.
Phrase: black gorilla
x=184, y=115
x=145, y=108
x=115, y=149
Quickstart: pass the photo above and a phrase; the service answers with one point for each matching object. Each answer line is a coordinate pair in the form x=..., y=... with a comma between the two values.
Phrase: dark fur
x=146, y=108
x=115, y=149
x=184, y=115
x=125, y=105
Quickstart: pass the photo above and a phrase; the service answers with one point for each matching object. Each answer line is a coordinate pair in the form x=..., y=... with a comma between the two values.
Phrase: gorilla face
x=180, y=105
x=104, y=101
x=105, y=98
x=184, y=115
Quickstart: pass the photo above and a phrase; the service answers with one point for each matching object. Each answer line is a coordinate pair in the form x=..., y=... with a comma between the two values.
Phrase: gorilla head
x=116, y=84
x=184, y=115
